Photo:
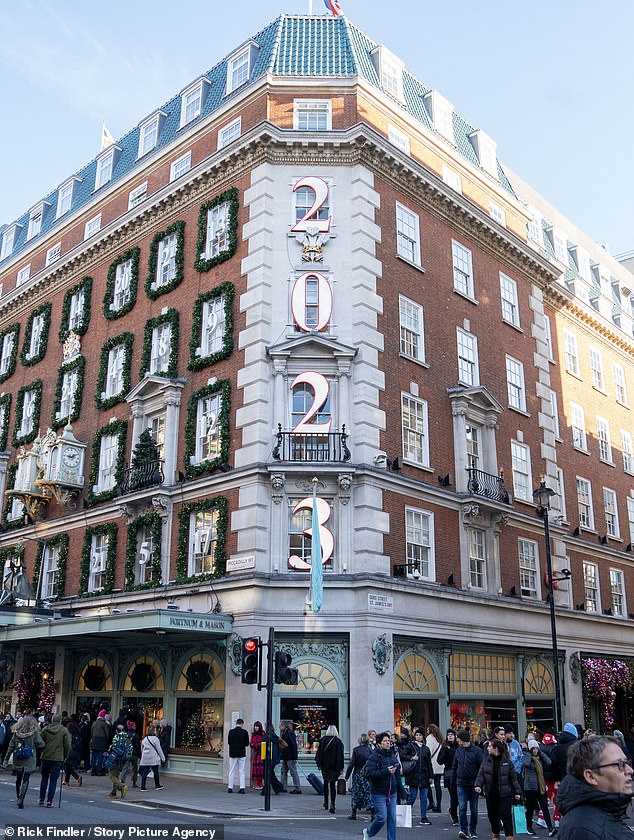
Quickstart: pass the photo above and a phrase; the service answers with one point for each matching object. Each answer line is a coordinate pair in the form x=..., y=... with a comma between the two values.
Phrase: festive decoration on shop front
x=143, y=676
x=110, y=313
x=312, y=723
x=34, y=687
x=19, y=439
x=43, y=312
x=193, y=734
x=169, y=317
x=197, y=358
x=9, y=360
x=219, y=505
x=78, y=364
x=61, y=544
x=120, y=429
x=8, y=523
x=126, y=341
x=153, y=572
x=601, y=679
x=5, y=408
x=203, y=262
x=108, y=530
x=94, y=677
x=153, y=288
x=80, y=324
x=192, y=470
x=198, y=675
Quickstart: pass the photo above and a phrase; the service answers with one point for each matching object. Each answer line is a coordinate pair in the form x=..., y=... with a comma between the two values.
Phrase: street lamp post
x=542, y=498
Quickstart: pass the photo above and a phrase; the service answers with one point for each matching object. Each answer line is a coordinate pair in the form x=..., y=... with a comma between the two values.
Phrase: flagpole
x=310, y=7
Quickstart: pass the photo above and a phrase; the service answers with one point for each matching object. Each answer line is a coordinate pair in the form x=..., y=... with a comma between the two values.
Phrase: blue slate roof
x=292, y=45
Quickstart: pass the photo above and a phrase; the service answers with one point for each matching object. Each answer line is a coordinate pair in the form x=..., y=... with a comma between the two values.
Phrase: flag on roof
x=106, y=138
x=333, y=7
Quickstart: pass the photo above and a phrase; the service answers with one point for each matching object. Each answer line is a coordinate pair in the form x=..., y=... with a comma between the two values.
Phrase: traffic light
x=250, y=660
x=284, y=674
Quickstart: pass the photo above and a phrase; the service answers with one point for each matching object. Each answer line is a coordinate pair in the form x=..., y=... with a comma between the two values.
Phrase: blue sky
x=549, y=81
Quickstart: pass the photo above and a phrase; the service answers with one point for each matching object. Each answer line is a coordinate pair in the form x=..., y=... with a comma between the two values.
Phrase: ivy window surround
x=8, y=351
x=217, y=230
x=14, y=514
x=107, y=465
x=49, y=574
x=143, y=552
x=27, y=413
x=207, y=436
x=113, y=379
x=160, y=346
x=36, y=335
x=76, y=310
x=5, y=407
x=68, y=392
x=166, y=262
x=98, y=560
x=201, y=540
x=122, y=284
x=212, y=328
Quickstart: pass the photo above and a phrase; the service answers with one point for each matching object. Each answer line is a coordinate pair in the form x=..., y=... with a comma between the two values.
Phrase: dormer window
x=441, y=114
x=239, y=66
x=192, y=99
x=8, y=240
x=560, y=245
x=36, y=217
x=149, y=133
x=390, y=71
x=486, y=150
x=65, y=196
x=105, y=166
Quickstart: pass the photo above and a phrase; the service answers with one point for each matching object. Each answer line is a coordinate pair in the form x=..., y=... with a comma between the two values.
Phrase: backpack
x=22, y=750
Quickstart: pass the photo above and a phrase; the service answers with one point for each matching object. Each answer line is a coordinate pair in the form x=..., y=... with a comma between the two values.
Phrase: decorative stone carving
x=381, y=652
x=125, y=512
x=345, y=484
x=575, y=667
x=471, y=510
x=162, y=505
x=71, y=347
x=307, y=486
x=499, y=521
x=312, y=242
x=234, y=649
x=277, y=488
x=335, y=653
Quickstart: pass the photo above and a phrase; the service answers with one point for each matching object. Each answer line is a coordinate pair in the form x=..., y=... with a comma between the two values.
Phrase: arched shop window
x=483, y=690
x=200, y=702
x=539, y=695
x=7, y=676
x=143, y=692
x=94, y=686
x=416, y=691
x=318, y=700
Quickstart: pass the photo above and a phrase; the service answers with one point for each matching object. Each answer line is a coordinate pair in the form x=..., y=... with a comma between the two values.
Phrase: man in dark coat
x=289, y=755
x=595, y=795
x=567, y=738
x=422, y=773
x=466, y=765
x=238, y=739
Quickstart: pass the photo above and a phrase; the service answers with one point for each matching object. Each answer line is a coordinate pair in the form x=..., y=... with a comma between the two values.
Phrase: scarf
x=541, y=784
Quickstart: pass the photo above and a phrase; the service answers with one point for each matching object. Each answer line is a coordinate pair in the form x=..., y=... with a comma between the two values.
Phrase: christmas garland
x=12, y=471
x=153, y=292
x=5, y=405
x=202, y=263
x=15, y=552
x=61, y=542
x=78, y=363
x=108, y=298
x=171, y=317
x=198, y=675
x=223, y=387
x=18, y=439
x=34, y=690
x=64, y=331
x=44, y=310
x=218, y=504
x=126, y=339
x=119, y=428
x=197, y=362
x=109, y=530
x=94, y=677
x=15, y=329
x=601, y=678
x=155, y=523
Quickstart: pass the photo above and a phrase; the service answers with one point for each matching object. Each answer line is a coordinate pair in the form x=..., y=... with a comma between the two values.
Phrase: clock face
x=70, y=458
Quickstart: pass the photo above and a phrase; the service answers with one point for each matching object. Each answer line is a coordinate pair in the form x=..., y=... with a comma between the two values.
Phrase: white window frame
x=156, y=428
x=497, y=213
x=37, y=325
x=510, y=300
x=477, y=559
x=571, y=351
x=48, y=570
x=23, y=275
x=627, y=451
x=137, y=195
x=217, y=231
x=8, y=345
x=596, y=366
x=398, y=138
x=560, y=247
x=522, y=471
x=114, y=371
x=528, y=553
x=407, y=234
x=65, y=196
x=515, y=384
x=312, y=114
x=203, y=541
x=191, y=103
x=149, y=134
x=229, y=132
x=99, y=545
x=550, y=351
x=36, y=218
x=412, y=329
x=8, y=241
x=630, y=518
x=28, y=410
x=76, y=311
x=603, y=440
x=122, y=285
x=554, y=411
x=105, y=167
x=620, y=384
x=213, y=326
x=584, y=503
x=611, y=511
x=578, y=427
x=92, y=226
x=591, y=590
x=420, y=543
x=166, y=260
x=415, y=439
x=160, y=354
x=180, y=166
x=617, y=590
x=70, y=380
x=391, y=77
x=468, y=363
x=462, y=270
x=143, y=555
x=107, y=467
x=208, y=428
x=239, y=69
x=53, y=254
x=562, y=494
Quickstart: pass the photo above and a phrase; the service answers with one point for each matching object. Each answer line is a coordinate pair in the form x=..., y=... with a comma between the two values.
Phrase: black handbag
x=408, y=767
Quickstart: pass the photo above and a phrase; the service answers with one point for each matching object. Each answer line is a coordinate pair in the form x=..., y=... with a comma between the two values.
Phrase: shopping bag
x=404, y=816
x=519, y=819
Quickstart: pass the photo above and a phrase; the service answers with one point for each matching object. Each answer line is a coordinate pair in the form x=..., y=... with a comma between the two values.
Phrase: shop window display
x=199, y=725
x=311, y=716
x=475, y=715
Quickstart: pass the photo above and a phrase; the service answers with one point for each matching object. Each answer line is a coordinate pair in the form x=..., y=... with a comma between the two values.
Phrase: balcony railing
x=300, y=446
x=488, y=486
x=142, y=477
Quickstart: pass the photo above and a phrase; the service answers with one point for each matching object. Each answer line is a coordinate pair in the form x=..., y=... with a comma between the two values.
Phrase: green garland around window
x=219, y=504
x=60, y=542
x=179, y=261
x=108, y=298
x=5, y=404
x=197, y=362
x=78, y=364
x=155, y=523
x=12, y=472
x=44, y=310
x=18, y=439
x=110, y=530
x=12, y=551
x=201, y=263
x=127, y=339
x=86, y=287
x=223, y=387
x=170, y=317
x=119, y=428
x=15, y=329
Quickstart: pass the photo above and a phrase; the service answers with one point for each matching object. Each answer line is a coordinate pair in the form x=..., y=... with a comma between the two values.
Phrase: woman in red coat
x=257, y=765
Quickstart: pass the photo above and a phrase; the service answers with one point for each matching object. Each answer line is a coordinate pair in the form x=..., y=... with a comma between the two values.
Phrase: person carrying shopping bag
x=497, y=782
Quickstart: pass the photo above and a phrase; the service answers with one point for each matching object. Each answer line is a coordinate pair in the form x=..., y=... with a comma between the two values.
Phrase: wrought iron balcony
x=300, y=446
x=488, y=486
x=142, y=477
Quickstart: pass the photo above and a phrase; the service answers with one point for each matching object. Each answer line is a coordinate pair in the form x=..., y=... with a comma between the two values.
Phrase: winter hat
x=549, y=739
x=131, y=724
x=451, y=731
x=463, y=735
x=102, y=713
x=571, y=729
x=532, y=744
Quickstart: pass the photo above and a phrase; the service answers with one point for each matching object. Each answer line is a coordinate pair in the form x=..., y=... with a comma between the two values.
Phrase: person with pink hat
x=99, y=741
